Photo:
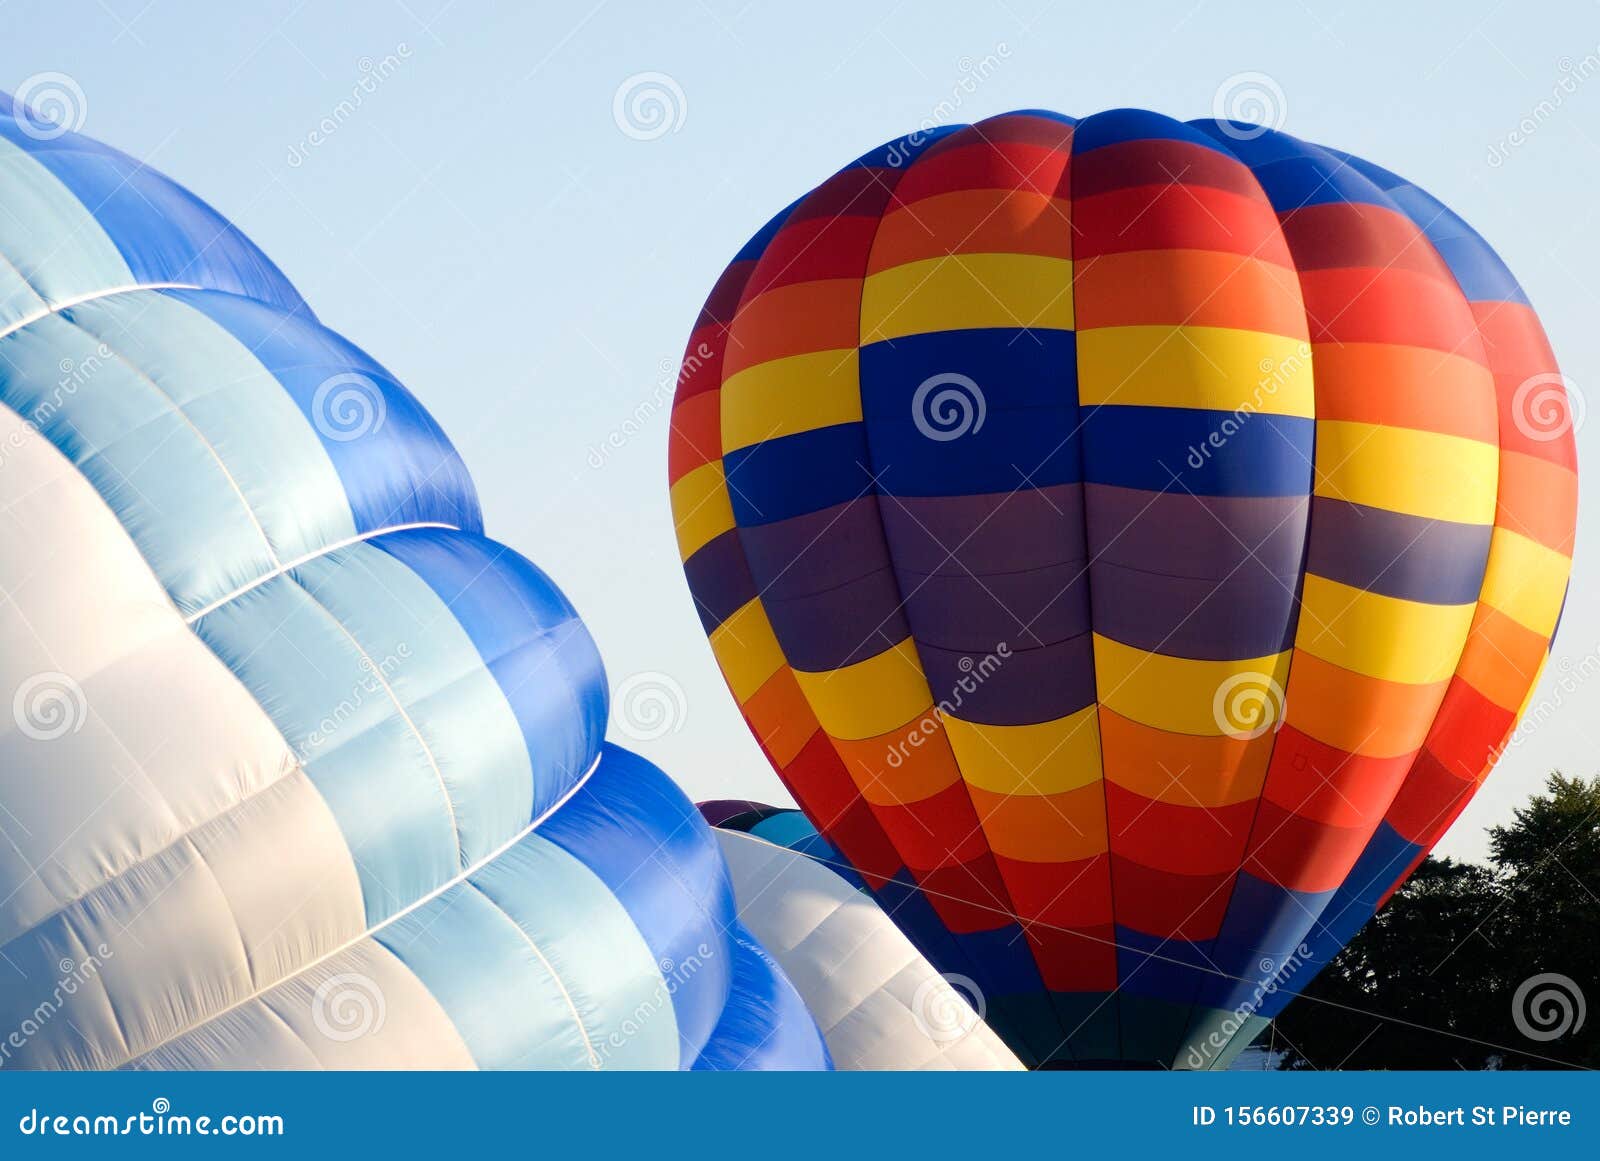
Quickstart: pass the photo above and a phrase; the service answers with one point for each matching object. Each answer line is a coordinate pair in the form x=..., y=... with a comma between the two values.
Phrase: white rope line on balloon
x=68, y=303
x=290, y=565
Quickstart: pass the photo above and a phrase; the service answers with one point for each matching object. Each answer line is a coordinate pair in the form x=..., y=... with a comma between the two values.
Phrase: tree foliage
x=1433, y=980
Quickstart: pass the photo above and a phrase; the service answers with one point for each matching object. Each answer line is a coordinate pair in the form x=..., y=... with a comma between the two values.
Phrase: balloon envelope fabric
x=1131, y=542
x=301, y=770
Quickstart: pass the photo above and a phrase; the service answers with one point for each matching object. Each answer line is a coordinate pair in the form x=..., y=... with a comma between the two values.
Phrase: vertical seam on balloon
x=194, y=428
x=1010, y=910
x=372, y=667
x=561, y=984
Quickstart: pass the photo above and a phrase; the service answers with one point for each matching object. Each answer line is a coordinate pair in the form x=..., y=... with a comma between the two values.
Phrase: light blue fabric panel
x=140, y=453
x=54, y=249
x=585, y=933
x=271, y=455
x=416, y=648
x=359, y=751
x=537, y=966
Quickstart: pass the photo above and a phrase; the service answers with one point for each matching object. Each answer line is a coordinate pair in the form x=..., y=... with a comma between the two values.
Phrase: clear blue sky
x=482, y=225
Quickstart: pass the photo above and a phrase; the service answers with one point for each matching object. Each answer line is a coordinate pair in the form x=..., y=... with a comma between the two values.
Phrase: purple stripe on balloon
x=984, y=534
x=1016, y=687
x=1249, y=614
x=839, y=627
x=719, y=579
x=1024, y=609
x=816, y=551
x=1176, y=533
x=1437, y=562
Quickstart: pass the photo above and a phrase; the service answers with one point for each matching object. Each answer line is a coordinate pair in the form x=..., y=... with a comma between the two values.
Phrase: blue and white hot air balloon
x=299, y=769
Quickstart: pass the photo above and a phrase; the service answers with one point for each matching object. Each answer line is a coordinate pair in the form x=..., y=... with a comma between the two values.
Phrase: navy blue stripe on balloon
x=1209, y=453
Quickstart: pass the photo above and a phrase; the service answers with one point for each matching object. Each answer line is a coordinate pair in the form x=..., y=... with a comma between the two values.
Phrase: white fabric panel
x=879, y=1003
x=360, y=1009
x=126, y=751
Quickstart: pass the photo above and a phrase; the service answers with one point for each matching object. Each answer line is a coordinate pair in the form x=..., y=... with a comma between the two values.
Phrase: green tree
x=1433, y=980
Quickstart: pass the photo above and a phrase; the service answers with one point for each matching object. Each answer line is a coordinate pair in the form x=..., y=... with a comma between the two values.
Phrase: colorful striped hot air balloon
x=1131, y=542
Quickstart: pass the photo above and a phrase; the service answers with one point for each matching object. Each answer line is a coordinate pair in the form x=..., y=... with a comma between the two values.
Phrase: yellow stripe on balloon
x=701, y=510
x=790, y=395
x=1184, y=695
x=1526, y=581
x=871, y=697
x=1208, y=368
x=1381, y=636
x=1421, y=473
x=1040, y=758
x=747, y=649
x=966, y=292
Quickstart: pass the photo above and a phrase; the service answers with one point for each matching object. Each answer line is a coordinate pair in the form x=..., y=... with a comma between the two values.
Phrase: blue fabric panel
x=532, y=641
x=1156, y=448
x=1262, y=931
x=1479, y=271
x=645, y=840
x=796, y=474
x=396, y=464
x=1118, y=125
x=1294, y=173
x=1161, y=967
x=765, y=1025
x=164, y=232
x=1024, y=436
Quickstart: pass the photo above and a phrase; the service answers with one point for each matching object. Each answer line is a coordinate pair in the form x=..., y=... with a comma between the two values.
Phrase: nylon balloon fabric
x=1131, y=541
x=300, y=769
